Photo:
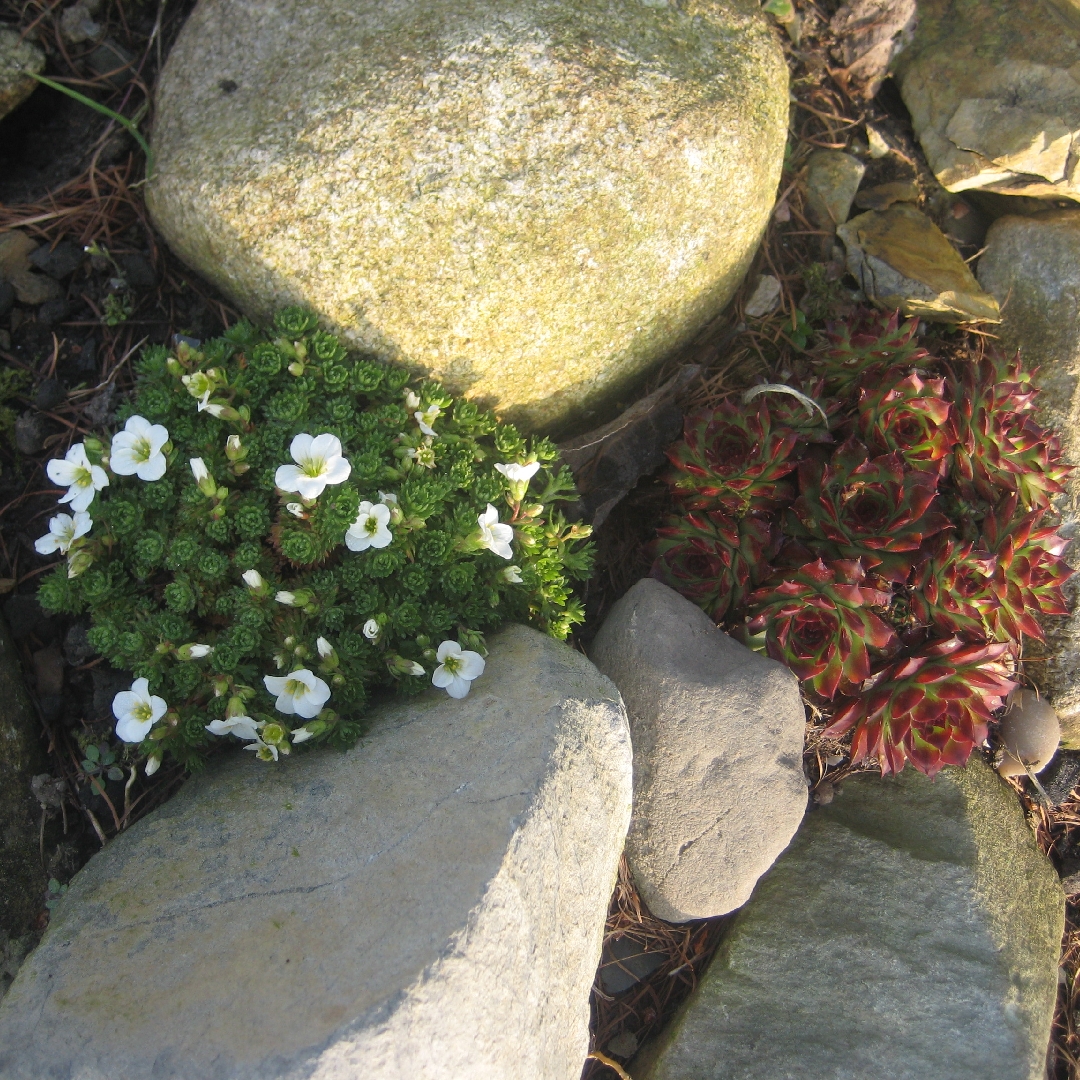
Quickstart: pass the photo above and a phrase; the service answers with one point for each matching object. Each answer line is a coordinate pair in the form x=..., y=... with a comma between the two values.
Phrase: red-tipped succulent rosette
x=931, y=709
x=867, y=349
x=713, y=559
x=869, y=508
x=819, y=621
x=734, y=458
x=952, y=588
x=911, y=418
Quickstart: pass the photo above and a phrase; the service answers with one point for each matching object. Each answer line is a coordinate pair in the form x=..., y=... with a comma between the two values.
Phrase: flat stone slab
x=718, y=737
x=911, y=932
x=430, y=904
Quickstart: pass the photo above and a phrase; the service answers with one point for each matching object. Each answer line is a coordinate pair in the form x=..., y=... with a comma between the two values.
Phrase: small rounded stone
x=1030, y=733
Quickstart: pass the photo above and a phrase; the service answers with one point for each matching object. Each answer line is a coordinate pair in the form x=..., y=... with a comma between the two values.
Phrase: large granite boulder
x=912, y=930
x=534, y=200
x=993, y=95
x=1032, y=265
x=718, y=737
x=430, y=904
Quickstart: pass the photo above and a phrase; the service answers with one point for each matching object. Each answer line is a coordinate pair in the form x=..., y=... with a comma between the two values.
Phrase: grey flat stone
x=533, y=200
x=718, y=737
x=910, y=932
x=430, y=904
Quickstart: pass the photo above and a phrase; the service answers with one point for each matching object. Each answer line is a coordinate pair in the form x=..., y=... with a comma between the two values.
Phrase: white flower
x=457, y=669
x=137, y=450
x=199, y=470
x=512, y=574
x=153, y=763
x=253, y=579
x=371, y=629
x=82, y=480
x=296, y=509
x=370, y=528
x=426, y=418
x=287, y=598
x=493, y=536
x=64, y=530
x=263, y=751
x=243, y=727
x=519, y=474
x=318, y=463
x=136, y=711
x=411, y=401
x=415, y=668
x=301, y=734
x=388, y=498
x=324, y=647
x=301, y=693
x=194, y=651
x=216, y=410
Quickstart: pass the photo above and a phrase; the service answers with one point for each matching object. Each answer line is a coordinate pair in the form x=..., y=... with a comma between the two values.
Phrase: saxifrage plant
x=891, y=545
x=280, y=528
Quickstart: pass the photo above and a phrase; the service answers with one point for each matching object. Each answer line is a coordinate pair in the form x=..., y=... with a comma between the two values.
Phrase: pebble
x=765, y=298
x=53, y=311
x=1061, y=777
x=138, y=270
x=58, y=262
x=49, y=394
x=1030, y=733
x=29, y=433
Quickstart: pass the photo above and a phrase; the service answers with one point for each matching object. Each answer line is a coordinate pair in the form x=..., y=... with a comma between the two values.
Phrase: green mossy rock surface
x=912, y=930
x=533, y=200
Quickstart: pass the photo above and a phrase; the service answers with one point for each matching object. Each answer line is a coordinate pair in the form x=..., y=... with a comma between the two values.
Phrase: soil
x=69, y=178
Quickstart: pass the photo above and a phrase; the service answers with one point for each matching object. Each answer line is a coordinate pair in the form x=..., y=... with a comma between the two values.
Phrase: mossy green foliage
x=163, y=564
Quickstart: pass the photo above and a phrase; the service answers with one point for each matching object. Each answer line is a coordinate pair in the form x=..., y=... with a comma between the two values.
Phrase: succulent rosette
x=713, y=558
x=952, y=588
x=819, y=621
x=734, y=458
x=932, y=709
x=1000, y=448
x=870, y=508
x=911, y=418
x=866, y=349
x=1029, y=572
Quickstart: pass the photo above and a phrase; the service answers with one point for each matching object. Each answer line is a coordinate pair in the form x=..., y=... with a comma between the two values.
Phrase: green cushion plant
x=281, y=528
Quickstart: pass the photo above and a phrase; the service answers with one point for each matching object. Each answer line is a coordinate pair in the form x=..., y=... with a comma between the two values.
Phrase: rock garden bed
x=859, y=216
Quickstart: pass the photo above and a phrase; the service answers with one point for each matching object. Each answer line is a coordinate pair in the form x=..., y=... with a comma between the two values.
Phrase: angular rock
x=883, y=196
x=993, y=94
x=869, y=34
x=912, y=930
x=429, y=904
x=1032, y=265
x=15, y=268
x=533, y=202
x=22, y=754
x=901, y=259
x=832, y=178
x=765, y=298
x=19, y=61
x=718, y=736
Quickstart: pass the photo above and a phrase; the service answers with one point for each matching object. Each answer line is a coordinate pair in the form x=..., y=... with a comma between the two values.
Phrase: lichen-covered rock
x=718, y=737
x=912, y=930
x=20, y=60
x=993, y=95
x=832, y=179
x=1032, y=265
x=430, y=904
x=533, y=200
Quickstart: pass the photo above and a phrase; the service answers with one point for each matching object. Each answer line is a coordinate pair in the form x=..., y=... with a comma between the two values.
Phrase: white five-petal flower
x=82, y=480
x=243, y=727
x=318, y=463
x=493, y=536
x=370, y=528
x=457, y=669
x=426, y=418
x=518, y=474
x=64, y=530
x=300, y=693
x=137, y=449
x=137, y=711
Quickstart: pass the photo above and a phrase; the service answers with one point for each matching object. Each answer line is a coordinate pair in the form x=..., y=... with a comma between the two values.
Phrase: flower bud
x=193, y=651
x=233, y=449
x=92, y=446
x=235, y=707
x=153, y=763
x=207, y=484
x=512, y=575
x=372, y=629
x=296, y=368
x=255, y=581
x=221, y=686
x=78, y=562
